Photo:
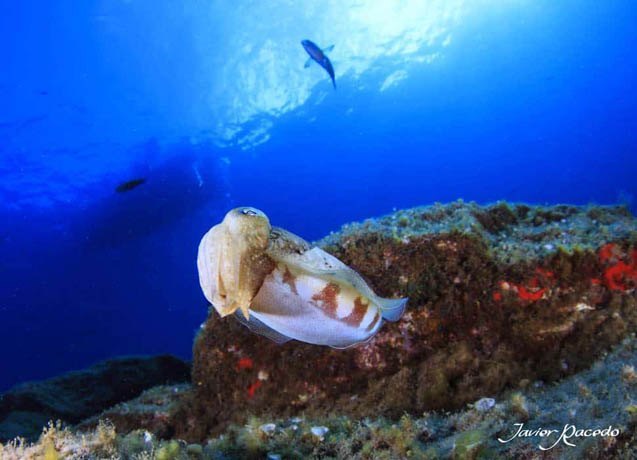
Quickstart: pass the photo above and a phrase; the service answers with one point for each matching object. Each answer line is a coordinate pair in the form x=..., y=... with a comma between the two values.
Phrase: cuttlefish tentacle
x=282, y=288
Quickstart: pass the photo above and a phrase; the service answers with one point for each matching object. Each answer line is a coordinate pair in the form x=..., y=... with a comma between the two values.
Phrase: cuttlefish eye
x=248, y=212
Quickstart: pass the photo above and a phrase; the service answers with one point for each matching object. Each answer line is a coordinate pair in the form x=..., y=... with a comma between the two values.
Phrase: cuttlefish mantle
x=281, y=287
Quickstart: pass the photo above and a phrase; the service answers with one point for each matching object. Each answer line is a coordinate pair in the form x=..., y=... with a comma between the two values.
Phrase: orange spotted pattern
x=355, y=318
x=327, y=299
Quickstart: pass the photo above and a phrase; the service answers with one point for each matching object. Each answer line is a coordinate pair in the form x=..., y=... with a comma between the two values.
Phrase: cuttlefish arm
x=221, y=272
x=232, y=262
x=209, y=262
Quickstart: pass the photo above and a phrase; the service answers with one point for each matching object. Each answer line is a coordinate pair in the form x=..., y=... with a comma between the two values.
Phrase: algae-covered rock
x=598, y=398
x=502, y=300
x=150, y=411
x=497, y=295
x=74, y=396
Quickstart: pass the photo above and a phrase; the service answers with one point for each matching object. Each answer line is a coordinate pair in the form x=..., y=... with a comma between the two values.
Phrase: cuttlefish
x=281, y=287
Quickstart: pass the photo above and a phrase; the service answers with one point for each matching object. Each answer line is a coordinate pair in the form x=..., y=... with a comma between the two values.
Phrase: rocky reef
x=499, y=296
x=73, y=397
x=504, y=300
x=601, y=397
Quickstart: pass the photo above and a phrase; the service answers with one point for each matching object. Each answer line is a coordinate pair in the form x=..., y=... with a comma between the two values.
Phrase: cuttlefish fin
x=319, y=263
x=352, y=345
x=392, y=309
x=260, y=328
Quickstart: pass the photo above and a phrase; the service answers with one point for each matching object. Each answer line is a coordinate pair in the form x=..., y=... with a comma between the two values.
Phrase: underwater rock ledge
x=597, y=398
x=499, y=296
x=74, y=396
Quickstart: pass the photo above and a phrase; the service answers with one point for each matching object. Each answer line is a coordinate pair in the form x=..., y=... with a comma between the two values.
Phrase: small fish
x=279, y=286
x=129, y=185
x=318, y=55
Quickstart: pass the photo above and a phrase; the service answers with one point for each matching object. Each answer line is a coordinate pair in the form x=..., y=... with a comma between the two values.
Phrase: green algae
x=469, y=445
x=169, y=451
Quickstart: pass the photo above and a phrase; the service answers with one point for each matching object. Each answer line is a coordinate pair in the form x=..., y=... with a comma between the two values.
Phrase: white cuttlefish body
x=314, y=310
x=283, y=289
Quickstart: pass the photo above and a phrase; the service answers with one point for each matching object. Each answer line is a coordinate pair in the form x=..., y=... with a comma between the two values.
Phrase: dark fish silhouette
x=129, y=185
x=318, y=55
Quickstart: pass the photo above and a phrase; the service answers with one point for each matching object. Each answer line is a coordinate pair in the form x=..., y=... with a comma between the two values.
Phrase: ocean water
x=209, y=102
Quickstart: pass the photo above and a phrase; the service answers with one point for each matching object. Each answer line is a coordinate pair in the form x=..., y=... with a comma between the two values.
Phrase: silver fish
x=280, y=287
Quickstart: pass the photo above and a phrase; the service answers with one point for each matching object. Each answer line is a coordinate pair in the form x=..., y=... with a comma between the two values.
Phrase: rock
x=319, y=431
x=151, y=411
x=484, y=404
x=595, y=399
x=72, y=397
x=490, y=304
x=194, y=450
x=268, y=428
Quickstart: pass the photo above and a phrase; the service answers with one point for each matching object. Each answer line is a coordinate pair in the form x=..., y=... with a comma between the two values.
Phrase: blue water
x=437, y=100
